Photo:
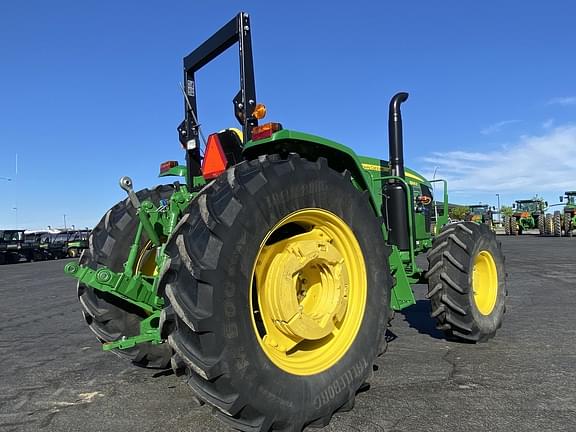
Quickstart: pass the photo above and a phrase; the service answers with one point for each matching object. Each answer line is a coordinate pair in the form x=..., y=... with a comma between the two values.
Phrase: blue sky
x=89, y=92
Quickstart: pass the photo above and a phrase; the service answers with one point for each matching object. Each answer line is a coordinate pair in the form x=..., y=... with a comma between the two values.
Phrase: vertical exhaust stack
x=395, y=141
x=395, y=199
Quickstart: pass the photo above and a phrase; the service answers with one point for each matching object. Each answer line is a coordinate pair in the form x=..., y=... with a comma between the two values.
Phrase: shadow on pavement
x=418, y=316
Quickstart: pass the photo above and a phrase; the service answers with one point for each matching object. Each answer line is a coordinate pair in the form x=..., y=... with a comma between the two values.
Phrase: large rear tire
x=515, y=226
x=568, y=224
x=108, y=316
x=541, y=224
x=258, y=244
x=557, y=221
x=549, y=221
x=467, y=282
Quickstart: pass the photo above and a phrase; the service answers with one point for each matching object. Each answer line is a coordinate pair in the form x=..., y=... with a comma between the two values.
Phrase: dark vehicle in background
x=54, y=244
x=41, y=245
x=32, y=241
x=64, y=244
x=13, y=247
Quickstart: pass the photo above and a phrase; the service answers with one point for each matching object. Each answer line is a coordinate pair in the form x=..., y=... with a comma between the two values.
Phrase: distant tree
x=458, y=213
x=506, y=211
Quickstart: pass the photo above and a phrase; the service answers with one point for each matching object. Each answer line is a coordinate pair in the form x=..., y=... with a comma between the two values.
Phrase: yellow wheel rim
x=146, y=262
x=308, y=291
x=485, y=282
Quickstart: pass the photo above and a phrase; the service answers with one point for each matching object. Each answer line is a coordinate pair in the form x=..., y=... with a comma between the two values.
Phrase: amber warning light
x=259, y=111
x=265, y=131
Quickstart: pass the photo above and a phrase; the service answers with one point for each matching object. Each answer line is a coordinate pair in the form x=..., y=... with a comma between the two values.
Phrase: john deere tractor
x=528, y=214
x=268, y=275
x=568, y=221
x=480, y=213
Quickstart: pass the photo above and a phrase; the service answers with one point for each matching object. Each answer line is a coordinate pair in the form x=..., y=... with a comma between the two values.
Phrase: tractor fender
x=338, y=156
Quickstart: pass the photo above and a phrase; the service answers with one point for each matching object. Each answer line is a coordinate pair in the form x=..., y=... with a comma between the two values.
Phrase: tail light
x=167, y=166
x=265, y=131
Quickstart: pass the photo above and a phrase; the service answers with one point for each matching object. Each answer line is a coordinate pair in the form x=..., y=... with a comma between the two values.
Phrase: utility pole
x=499, y=209
x=64, y=222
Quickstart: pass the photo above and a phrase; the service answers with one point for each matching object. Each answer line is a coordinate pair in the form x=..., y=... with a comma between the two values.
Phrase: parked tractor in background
x=268, y=277
x=566, y=221
x=76, y=242
x=528, y=214
x=480, y=213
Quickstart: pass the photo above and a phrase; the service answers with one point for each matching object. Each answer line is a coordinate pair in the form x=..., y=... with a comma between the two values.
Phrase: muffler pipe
x=395, y=198
x=395, y=140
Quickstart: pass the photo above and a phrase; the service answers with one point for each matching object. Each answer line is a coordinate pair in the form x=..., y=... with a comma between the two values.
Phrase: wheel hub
x=485, y=282
x=307, y=287
x=308, y=292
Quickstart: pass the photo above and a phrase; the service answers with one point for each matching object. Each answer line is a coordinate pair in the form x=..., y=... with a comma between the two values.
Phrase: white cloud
x=565, y=100
x=548, y=123
x=497, y=127
x=534, y=163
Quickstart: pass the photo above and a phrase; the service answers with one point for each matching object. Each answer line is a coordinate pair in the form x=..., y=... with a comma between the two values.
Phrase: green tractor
x=480, y=213
x=566, y=221
x=527, y=215
x=269, y=275
x=77, y=241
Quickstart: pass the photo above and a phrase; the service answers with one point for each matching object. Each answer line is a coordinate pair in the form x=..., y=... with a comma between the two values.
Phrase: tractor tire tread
x=449, y=281
x=194, y=264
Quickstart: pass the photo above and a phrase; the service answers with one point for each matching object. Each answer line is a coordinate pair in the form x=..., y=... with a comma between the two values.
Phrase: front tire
x=108, y=316
x=467, y=282
x=255, y=243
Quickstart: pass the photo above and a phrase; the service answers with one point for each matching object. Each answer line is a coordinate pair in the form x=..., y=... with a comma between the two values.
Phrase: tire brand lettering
x=230, y=327
x=241, y=361
x=229, y=309
x=340, y=384
x=276, y=398
x=304, y=190
x=230, y=330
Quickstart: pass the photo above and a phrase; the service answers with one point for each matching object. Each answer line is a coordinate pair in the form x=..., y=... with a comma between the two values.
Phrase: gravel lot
x=54, y=376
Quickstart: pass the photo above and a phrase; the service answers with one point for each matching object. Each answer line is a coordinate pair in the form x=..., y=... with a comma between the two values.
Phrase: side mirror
x=546, y=203
x=561, y=198
x=514, y=205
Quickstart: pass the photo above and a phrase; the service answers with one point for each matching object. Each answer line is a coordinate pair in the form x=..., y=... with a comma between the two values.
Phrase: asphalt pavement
x=54, y=376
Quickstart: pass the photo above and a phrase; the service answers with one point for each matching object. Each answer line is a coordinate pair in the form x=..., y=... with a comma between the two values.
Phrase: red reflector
x=165, y=166
x=265, y=131
x=214, y=162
